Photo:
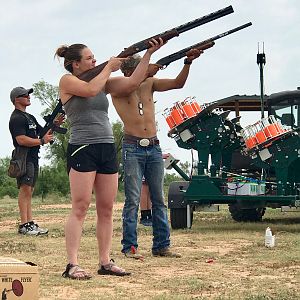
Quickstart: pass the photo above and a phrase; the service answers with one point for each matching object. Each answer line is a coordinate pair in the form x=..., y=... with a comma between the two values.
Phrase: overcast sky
x=32, y=30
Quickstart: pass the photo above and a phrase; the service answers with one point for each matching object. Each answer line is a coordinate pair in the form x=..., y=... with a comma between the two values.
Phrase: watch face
x=144, y=142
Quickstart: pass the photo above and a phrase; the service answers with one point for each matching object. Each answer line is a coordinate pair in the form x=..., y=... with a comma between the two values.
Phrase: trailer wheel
x=178, y=218
x=246, y=215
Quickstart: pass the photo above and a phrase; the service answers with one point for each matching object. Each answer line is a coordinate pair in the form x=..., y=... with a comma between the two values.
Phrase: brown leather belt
x=143, y=142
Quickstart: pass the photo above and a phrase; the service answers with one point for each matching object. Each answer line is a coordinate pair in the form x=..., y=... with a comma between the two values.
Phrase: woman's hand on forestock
x=155, y=45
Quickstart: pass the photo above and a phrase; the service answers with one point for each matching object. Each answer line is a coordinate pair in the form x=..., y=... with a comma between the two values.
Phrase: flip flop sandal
x=76, y=273
x=108, y=270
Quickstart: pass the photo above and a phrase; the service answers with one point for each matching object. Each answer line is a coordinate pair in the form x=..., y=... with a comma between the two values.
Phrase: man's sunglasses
x=23, y=96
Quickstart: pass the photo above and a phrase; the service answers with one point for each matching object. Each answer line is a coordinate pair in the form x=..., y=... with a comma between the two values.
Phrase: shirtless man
x=142, y=155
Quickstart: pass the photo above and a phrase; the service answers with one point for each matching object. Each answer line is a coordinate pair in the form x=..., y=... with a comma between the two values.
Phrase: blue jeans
x=141, y=161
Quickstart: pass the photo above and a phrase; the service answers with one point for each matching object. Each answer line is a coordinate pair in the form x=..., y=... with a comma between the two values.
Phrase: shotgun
x=138, y=47
x=165, y=61
x=167, y=35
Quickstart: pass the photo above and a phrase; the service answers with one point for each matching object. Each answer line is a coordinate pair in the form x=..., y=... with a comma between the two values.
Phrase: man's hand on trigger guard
x=153, y=69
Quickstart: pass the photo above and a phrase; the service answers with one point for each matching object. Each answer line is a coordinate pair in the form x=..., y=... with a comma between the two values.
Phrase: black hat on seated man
x=19, y=91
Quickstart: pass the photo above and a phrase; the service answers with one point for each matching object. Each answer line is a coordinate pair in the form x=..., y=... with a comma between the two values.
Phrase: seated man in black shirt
x=24, y=130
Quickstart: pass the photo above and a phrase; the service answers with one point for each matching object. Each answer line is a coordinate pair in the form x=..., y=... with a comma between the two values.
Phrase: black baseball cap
x=19, y=91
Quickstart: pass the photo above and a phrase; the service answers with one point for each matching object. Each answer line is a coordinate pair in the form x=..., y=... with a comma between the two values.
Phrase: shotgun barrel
x=165, y=61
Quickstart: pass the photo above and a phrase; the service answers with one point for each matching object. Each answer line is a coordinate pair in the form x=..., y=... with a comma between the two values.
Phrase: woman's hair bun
x=61, y=51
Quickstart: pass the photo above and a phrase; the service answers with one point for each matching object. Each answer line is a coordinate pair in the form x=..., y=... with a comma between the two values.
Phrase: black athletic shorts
x=101, y=158
x=32, y=171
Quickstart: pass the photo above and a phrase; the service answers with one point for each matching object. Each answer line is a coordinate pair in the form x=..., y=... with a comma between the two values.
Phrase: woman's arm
x=70, y=85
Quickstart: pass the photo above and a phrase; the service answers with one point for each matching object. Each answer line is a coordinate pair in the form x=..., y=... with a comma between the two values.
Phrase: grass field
x=221, y=259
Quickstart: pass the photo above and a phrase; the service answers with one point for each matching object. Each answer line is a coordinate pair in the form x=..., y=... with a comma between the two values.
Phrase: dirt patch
x=62, y=293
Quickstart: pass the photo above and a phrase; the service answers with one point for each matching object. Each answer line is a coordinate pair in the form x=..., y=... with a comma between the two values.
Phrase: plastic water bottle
x=269, y=238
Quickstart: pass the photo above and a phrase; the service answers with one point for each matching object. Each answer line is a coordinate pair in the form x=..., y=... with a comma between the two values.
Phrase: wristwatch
x=187, y=62
x=42, y=141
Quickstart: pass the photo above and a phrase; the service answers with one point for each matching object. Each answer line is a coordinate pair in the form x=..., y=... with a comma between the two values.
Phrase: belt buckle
x=144, y=142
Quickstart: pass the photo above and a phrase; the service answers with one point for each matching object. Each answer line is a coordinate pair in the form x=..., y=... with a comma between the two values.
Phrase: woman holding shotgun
x=91, y=154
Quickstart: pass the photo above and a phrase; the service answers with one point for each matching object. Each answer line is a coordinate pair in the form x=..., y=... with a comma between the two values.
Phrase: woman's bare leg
x=81, y=186
x=106, y=186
